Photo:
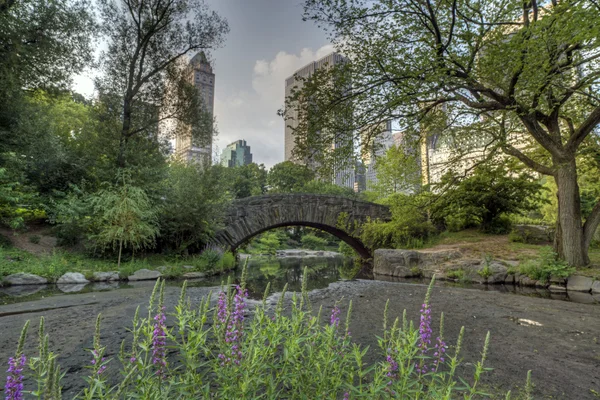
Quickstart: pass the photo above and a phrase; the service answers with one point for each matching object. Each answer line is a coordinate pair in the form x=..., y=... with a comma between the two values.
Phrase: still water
x=279, y=271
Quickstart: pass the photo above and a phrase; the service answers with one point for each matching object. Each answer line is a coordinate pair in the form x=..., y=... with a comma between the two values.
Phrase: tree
x=397, y=172
x=194, y=202
x=288, y=177
x=249, y=180
x=146, y=78
x=125, y=217
x=522, y=77
x=486, y=198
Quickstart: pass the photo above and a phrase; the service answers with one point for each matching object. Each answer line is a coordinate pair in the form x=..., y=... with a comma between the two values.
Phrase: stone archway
x=251, y=216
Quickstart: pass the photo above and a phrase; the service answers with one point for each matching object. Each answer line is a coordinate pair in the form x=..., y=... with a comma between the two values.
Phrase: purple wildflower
x=14, y=381
x=346, y=396
x=95, y=360
x=392, y=367
x=159, y=341
x=440, y=351
x=425, y=328
x=335, y=316
x=222, y=308
x=235, y=327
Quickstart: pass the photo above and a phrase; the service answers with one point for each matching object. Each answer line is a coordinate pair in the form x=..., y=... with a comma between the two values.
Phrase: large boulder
x=578, y=283
x=534, y=234
x=409, y=263
x=144, y=275
x=498, y=272
x=69, y=278
x=596, y=287
x=22, y=278
x=70, y=287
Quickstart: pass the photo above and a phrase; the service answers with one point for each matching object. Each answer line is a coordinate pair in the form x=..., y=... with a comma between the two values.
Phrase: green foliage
x=125, y=218
x=267, y=243
x=320, y=187
x=485, y=199
x=304, y=358
x=35, y=239
x=546, y=265
x=346, y=250
x=313, y=242
x=193, y=204
x=248, y=180
x=398, y=171
x=289, y=177
x=409, y=226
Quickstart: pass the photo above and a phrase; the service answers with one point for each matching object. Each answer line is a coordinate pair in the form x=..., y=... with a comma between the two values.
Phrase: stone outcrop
x=578, y=283
x=534, y=234
x=194, y=275
x=72, y=278
x=106, y=276
x=22, y=278
x=144, y=275
x=409, y=263
x=247, y=217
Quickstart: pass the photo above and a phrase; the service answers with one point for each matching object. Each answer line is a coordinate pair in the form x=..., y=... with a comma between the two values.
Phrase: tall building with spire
x=203, y=78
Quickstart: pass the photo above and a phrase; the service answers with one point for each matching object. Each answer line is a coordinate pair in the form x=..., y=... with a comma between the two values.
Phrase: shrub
x=228, y=260
x=301, y=359
x=313, y=242
x=35, y=239
x=546, y=265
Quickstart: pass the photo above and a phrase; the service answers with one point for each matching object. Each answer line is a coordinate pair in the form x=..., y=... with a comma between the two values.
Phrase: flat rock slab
x=194, y=275
x=578, y=283
x=22, y=290
x=596, y=287
x=557, y=288
x=144, y=275
x=22, y=278
x=106, y=276
x=75, y=278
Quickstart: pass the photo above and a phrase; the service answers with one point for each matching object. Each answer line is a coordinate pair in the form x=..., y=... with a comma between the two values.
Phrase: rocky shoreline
x=450, y=265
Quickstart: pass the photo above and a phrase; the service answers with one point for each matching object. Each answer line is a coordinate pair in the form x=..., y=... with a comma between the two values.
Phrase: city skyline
x=267, y=43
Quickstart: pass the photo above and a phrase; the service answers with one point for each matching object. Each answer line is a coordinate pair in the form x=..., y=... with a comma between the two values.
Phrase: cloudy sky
x=267, y=43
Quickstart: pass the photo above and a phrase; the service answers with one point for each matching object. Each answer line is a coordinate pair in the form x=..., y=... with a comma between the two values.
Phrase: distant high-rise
x=203, y=78
x=236, y=154
x=376, y=140
x=342, y=176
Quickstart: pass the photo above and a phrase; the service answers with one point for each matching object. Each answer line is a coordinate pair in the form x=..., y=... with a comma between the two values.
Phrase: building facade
x=236, y=154
x=376, y=141
x=186, y=148
x=342, y=176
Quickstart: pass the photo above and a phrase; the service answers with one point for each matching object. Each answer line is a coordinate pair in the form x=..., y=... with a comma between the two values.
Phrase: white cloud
x=252, y=115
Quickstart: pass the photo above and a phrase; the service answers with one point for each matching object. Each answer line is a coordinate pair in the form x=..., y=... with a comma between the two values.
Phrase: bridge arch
x=251, y=216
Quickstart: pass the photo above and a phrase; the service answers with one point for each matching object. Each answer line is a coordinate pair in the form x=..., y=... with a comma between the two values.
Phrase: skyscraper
x=343, y=176
x=203, y=78
x=376, y=140
x=236, y=154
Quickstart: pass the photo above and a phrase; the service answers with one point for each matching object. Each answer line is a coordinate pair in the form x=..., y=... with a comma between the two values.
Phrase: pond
x=279, y=271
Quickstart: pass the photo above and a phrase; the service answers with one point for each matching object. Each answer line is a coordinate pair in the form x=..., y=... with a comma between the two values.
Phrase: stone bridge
x=339, y=216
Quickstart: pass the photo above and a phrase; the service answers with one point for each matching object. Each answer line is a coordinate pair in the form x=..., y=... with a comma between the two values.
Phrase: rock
x=578, y=283
x=541, y=284
x=72, y=278
x=578, y=297
x=188, y=267
x=557, y=288
x=22, y=278
x=596, y=287
x=510, y=279
x=499, y=272
x=408, y=263
x=106, y=276
x=22, y=290
x=70, y=287
x=194, y=275
x=534, y=234
x=162, y=268
x=144, y=275
x=555, y=280
x=527, y=281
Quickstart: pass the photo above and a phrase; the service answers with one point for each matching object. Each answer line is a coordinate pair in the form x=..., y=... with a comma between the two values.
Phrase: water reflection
x=279, y=271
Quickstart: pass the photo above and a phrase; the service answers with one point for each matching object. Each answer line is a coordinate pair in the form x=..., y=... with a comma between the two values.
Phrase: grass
x=53, y=266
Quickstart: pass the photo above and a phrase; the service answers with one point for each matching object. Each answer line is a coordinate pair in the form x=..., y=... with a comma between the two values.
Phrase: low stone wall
x=450, y=265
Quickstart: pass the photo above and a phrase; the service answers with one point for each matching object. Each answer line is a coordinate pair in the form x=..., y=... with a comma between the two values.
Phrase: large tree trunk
x=570, y=236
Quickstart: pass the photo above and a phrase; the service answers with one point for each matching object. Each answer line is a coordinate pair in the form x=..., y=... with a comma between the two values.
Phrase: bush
x=546, y=265
x=313, y=242
x=485, y=199
x=302, y=358
x=409, y=226
x=228, y=260
x=35, y=239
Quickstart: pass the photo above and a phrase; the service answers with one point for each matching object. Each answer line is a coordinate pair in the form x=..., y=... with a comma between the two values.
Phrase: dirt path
x=564, y=352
